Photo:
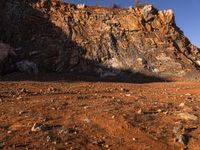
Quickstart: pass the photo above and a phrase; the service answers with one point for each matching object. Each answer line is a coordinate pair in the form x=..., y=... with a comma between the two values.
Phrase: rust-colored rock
x=67, y=37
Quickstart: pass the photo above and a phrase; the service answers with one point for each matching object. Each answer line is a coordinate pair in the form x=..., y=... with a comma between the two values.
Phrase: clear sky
x=187, y=13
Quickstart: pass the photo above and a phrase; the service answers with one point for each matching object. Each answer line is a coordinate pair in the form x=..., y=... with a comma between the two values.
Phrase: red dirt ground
x=97, y=115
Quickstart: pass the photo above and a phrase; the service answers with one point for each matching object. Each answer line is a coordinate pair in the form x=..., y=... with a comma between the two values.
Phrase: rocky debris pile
x=61, y=36
x=27, y=66
x=9, y=63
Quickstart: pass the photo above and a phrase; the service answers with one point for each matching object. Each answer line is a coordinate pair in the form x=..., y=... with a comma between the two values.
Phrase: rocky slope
x=60, y=37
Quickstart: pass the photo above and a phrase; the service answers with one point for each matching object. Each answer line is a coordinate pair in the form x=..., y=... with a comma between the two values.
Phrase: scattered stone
x=198, y=62
x=53, y=108
x=53, y=100
x=19, y=97
x=134, y=139
x=23, y=90
x=85, y=107
x=128, y=95
x=141, y=61
x=38, y=127
x=27, y=67
x=182, y=104
x=124, y=90
x=106, y=146
x=166, y=112
x=140, y=111
x=159, y=110
x=49, y=138
x=9, y=132
x=21, y=112
x=54, y=142
x=51, y=90
x=188, y=94
x=188, y=116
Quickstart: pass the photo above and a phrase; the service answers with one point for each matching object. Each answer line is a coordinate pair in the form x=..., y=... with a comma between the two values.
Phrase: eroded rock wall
x=63, y=37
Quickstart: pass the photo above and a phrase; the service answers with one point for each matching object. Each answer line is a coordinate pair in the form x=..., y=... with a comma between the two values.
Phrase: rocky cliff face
x=64, y=37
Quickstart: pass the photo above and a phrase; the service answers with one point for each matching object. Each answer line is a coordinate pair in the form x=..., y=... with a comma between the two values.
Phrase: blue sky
x=187, y=13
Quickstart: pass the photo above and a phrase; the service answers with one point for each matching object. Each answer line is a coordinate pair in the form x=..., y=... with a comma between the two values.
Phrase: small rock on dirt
x=139, y=111
x=134, y=139
x=38, y=127
x=181, y=104
x=184, y=140
x=188, y=116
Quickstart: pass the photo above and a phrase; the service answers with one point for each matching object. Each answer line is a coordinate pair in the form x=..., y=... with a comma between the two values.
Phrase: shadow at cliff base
x=72, y=77
x=51, y=43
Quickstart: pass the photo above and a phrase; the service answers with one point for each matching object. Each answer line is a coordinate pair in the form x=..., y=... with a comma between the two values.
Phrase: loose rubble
x=188, y=116
x=98, y=115
x=27, y=67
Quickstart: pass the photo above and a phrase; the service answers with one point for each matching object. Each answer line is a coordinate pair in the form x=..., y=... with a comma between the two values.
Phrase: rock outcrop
x=6, y=54
x=61, y=37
